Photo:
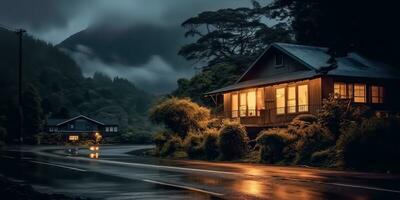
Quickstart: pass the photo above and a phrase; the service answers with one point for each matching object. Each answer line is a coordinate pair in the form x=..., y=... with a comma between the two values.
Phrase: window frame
x=307, y=106
x=291, y=109
x=284, y=101
x=280, y=56
x=380, y=94
x=235, y=113
x=364, y=96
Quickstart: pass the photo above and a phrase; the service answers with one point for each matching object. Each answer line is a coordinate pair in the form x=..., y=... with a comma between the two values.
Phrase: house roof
x=58, y=122
x=316, y=60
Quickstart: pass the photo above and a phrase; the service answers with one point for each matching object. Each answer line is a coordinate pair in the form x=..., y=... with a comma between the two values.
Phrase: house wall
x=266, y=66
x=269, y=116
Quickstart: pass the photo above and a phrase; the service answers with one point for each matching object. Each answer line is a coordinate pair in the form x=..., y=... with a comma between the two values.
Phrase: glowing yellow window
x=251, y=103
x=243, y=104
x=291, y=101
x=302, y=91
x=376, y=94
x=359, y=93
x=340, y=90
x=260, y=101
x=280, y=100
x=235, y=105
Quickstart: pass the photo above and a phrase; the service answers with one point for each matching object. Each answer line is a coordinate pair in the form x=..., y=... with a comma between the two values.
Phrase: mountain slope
x=63, y=89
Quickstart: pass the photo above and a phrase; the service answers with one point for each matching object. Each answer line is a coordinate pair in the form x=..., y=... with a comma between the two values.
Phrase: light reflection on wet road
x=116, y=175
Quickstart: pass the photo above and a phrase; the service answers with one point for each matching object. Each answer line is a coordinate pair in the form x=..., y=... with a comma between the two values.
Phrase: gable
x=81, y=119
x=268, y=65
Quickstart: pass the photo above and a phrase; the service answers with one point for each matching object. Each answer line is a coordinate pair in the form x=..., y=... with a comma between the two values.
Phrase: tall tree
x=368, y=27
x=234, y=36
x=32, y=109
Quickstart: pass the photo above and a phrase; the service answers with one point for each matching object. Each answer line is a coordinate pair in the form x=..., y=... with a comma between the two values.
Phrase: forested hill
x=61, y=88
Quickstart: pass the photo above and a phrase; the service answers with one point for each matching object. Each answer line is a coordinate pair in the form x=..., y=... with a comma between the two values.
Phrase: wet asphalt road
x=117, y=175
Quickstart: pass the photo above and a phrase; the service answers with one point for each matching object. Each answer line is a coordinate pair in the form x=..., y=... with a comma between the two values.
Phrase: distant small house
x=288, y=80
x=81, y=125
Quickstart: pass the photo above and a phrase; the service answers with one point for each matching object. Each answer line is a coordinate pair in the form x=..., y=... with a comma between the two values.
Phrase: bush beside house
x=341, y=136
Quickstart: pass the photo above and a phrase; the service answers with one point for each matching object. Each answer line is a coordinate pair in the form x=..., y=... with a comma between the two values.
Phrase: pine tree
x=33, y=113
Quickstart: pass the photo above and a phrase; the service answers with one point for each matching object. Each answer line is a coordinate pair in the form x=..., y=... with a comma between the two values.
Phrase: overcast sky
x=56, y=20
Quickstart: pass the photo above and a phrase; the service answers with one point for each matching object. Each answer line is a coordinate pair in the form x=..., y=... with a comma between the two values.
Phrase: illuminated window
x=291, y=100
x=107, y=129
x=302, y=91
x=115, y=129
x=243, y=104
x=376, y=94
x=280, y=101
x=235, y=105
x=251, y=103
x=359, y=93
x=73, y=137
x=340, y=90
x=260, y=101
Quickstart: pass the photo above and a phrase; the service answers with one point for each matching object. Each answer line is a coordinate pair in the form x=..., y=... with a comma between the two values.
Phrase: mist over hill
x=144, y=54
x=63, y=90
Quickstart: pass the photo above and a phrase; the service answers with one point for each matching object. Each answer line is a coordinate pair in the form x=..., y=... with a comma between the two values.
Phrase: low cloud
x=156, y=76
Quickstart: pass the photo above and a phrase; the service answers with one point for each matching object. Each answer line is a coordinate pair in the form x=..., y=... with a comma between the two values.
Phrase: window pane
x=350, y=92
x=251, y=103
x=260, y=100
x=303, y=98
x=359, y=93
x=235, y=105
x=340, y=90
x=243, y=103
x=376, y=94
x=291, y=102
x=280, y=101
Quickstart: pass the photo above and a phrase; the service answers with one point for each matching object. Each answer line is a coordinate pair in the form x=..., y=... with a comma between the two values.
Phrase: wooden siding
x=266, y=66
x=269, y=116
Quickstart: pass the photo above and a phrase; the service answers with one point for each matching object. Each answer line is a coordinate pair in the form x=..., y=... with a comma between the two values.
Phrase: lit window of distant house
x=251, y=103
x=243, y=104
x=51, y=129
x=235, y=105
x=260, y=101
x=291, y=100
x=376, y=94
x=340, y=90
x=302, y=91
x=359, y=93
x=107, y=129
x=71, y=126
x=116, y=129
x=278, y=60
x=280, y=100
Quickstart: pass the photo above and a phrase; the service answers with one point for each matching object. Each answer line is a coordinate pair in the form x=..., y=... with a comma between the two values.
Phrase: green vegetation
x=232, y=141
x=362, y=141
x=54, y=87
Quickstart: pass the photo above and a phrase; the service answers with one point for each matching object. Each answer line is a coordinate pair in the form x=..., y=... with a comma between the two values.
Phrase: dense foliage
x=233, y=141
x=355, y=25
x=54, y=87
x=180, y=116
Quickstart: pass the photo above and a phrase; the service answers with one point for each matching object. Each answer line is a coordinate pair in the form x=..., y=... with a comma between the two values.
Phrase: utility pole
x=20, y=33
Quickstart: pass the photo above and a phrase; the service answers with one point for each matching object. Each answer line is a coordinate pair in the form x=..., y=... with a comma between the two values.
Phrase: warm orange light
x=73, y=137
x=94, y=155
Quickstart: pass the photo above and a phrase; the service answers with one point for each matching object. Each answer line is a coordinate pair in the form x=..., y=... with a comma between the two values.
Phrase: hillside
x=63, y=90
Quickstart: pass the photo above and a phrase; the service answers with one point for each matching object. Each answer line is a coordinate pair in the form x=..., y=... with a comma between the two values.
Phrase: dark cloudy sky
x=154, y=70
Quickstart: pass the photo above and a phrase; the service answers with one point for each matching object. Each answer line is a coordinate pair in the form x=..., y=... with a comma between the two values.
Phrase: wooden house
x=81, y=126
x=289, y=79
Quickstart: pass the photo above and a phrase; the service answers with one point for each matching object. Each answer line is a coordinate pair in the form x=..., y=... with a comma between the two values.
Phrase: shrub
x=180, y=116
x=210, y=144
x=272, y=144
x=311, y=138
x=172, y=145
x=232, y=141
x=337, y=113
x=326, y=158
x=49, y=138
x=160, y=139
x=371, y=145
x=192, y=144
